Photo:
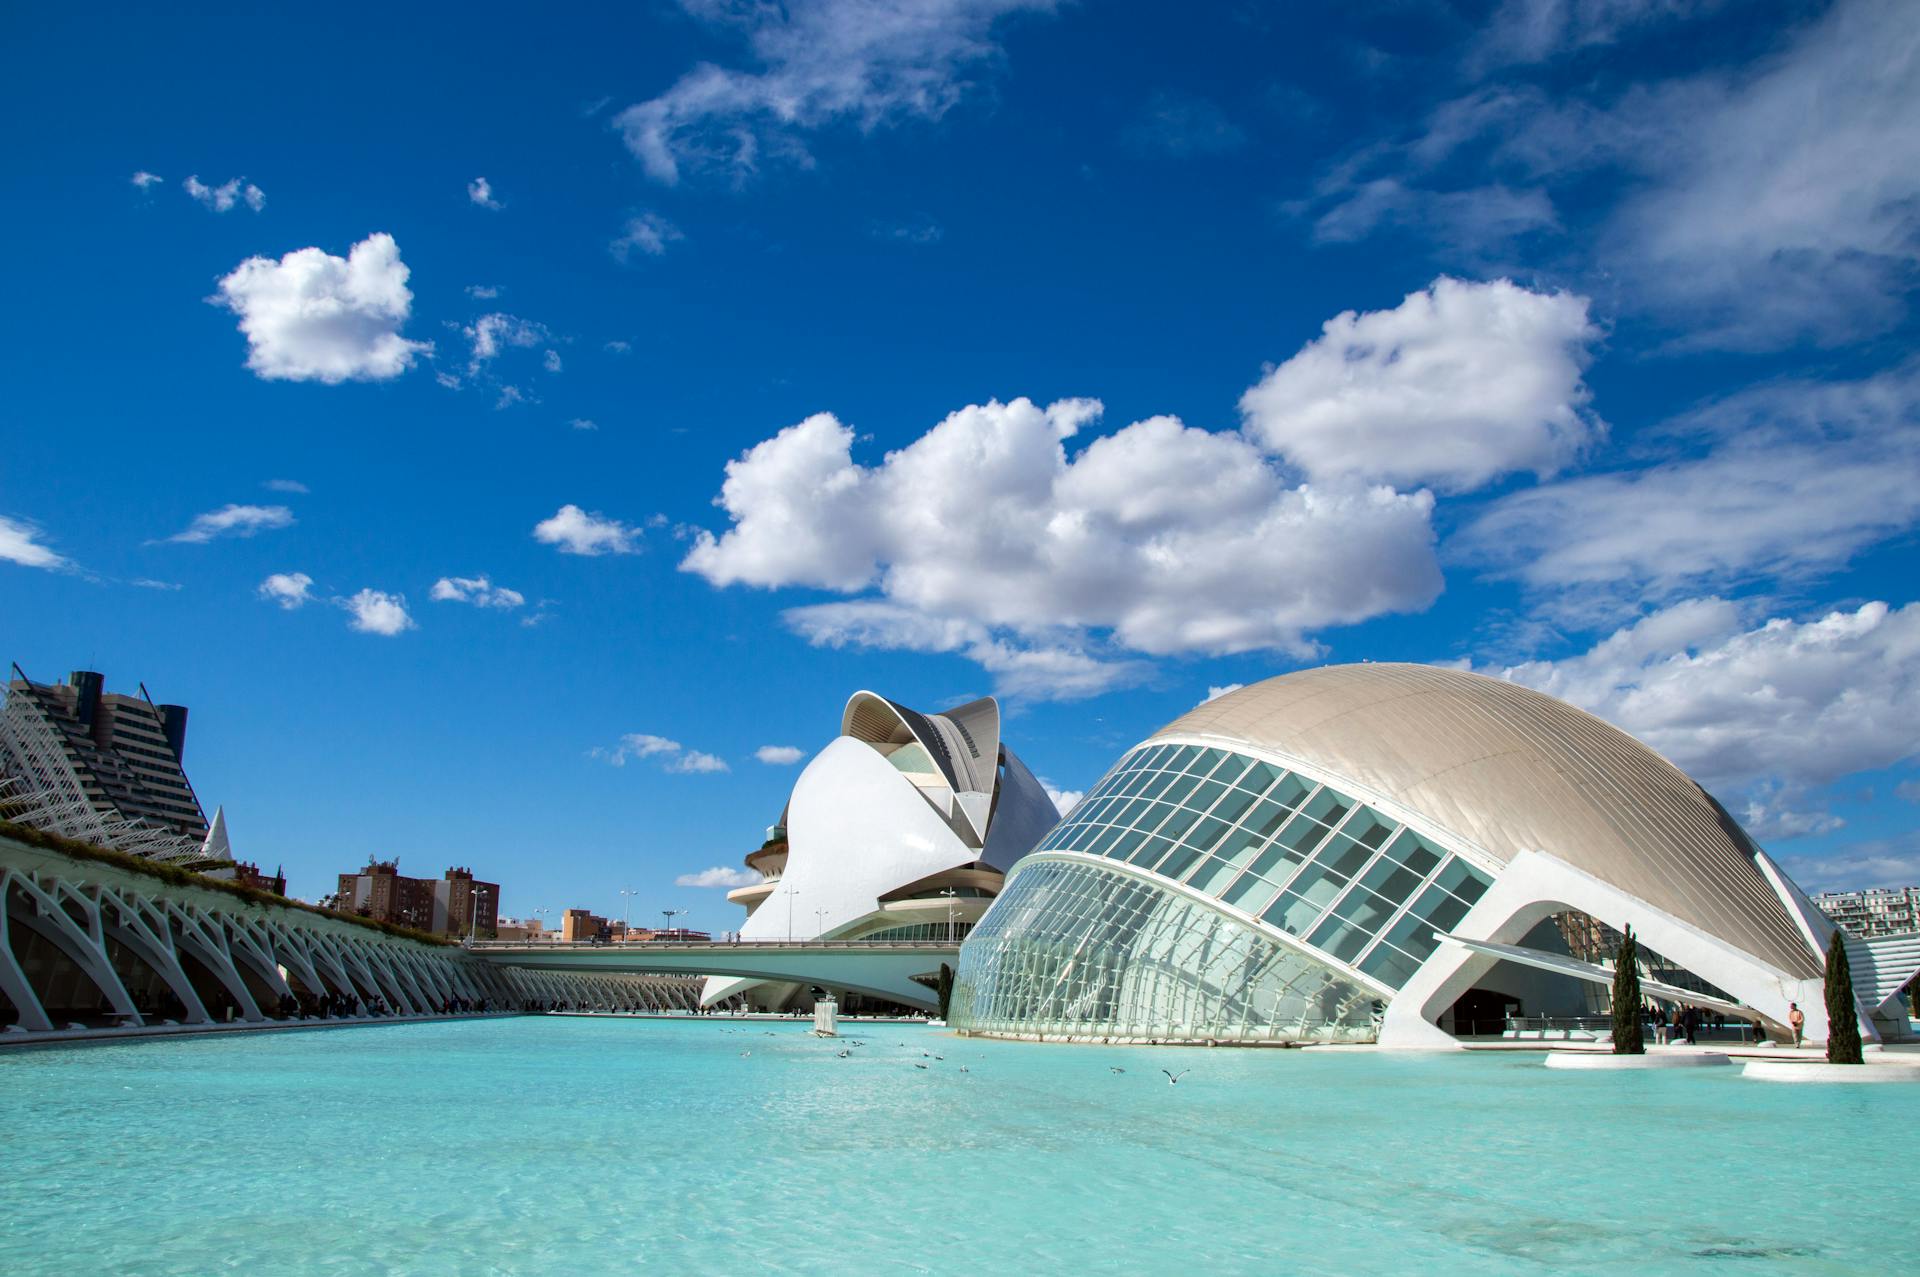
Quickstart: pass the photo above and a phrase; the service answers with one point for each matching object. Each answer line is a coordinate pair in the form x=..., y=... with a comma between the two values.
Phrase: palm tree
x=1843, y=1025
x=1628, y=1037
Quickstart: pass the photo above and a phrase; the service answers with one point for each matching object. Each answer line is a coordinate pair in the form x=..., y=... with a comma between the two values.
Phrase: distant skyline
x=515, y=435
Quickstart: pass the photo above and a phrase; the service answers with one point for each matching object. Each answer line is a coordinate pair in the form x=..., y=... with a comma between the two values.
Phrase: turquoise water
x=560, y=1145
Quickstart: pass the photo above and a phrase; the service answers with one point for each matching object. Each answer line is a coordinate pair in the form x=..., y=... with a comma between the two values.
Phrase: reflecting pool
x=565, y=1145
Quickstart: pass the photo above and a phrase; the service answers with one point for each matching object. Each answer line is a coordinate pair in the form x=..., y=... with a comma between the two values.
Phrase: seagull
x=1112, y=1069
x=745, y=1054
x=1173, y=1079
x=845, y=1054
x=965, y=1069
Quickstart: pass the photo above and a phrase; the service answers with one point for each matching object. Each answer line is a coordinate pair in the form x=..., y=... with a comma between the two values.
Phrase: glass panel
x=1178, y=861
x=1290, y=913
x=1390, y=966
x=1231, y=770
x=1391, y=881
x=1440, y=911
x=1150, y=851
x=1302, y=834
x=1328, y=806
x=1259, y=778
x=1178, y=823
x=1233, y=806
x=1249, y=893
x=1209, y=760
x=1206, y=833
x=1212, y=876
x=1124, y=846
x=1106, y=839
x=1291, y=791
x=1266, y=818
x=1238, y=846
x=1179, y=787
x=1343, y=939
x=1463, y=880
x=1205, y=795
x=1414, y=854
x=1343, y=855
x=1369, y=827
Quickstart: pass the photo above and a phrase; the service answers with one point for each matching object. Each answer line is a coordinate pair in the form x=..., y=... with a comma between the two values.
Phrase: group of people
x=1676, y=1024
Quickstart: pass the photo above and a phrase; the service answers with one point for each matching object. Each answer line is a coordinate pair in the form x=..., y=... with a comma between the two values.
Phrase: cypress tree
x=944, y=989
x=1628, y=1037
x=1843, y=1024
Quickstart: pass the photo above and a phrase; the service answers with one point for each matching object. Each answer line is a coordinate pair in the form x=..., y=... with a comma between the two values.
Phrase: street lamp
x=542, y=915
x=952, y=894
x=820, y=922
x=669, y=915
x=791, y=893
x=626, y=919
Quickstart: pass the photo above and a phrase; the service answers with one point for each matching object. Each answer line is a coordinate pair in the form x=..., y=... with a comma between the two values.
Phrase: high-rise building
x=454, y=905
x=101, y=766
x=1877, y=911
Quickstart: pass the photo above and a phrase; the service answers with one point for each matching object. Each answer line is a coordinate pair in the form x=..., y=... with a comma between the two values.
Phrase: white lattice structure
x=41, y=788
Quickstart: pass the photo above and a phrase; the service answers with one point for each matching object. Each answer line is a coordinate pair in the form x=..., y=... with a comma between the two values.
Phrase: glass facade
x=1349, y=882
x=1074, y=950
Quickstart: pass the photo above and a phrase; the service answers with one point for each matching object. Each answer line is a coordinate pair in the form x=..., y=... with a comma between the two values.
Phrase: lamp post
x=669, y=915
x=952, y=894
x=626, y=918
x=820, y=922
x=791, y=893
x=542, y=915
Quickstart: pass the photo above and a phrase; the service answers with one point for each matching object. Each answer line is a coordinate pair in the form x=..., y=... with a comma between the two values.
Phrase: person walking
x=1797, y=1021
x=1690, y=1020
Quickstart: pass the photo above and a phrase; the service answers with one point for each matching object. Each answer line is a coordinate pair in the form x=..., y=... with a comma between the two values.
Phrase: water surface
x=565, y=1145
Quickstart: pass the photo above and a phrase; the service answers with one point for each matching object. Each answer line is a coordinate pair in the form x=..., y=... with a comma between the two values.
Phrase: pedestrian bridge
x=881, y=969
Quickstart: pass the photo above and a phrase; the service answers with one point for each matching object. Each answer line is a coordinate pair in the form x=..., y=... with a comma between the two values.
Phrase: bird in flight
x=919, y=1066
x=1173, y=1079
x=1113, y=1069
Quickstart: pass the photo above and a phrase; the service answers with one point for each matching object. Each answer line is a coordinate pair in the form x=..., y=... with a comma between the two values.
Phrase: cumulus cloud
x=290, y=590
x=983, y=537
x=144, y=179
x=551, y=360
x=718, y=876
x=233, y=521
x=574, y=531
x=1796, y=478
x=649, y=233
x=1215, y=693
x=312, y=316
x=1771, y=709
x=779, y=755
x=1458, y=385
x=477, y=590
x=221, y=198
x=20, y=542
x=376, y=612
x=480, y=191
x=1064, y=800
x=868, y=63
x=672, y=755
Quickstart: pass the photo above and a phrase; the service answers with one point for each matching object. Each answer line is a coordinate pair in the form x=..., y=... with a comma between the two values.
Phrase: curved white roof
x=1508, y=769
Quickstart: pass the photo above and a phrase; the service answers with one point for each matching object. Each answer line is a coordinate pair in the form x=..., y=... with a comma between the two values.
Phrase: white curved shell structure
x=899, y=797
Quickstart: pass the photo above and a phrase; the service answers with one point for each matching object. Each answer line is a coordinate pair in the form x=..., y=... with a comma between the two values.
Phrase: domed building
x=1390, y=853
x=902, y=828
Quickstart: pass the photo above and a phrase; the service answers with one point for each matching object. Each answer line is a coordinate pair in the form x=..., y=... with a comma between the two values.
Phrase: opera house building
x=1386, y=853
x=902, y=828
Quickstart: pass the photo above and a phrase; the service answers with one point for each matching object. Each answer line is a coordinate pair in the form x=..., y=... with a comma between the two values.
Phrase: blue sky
x=454, y=407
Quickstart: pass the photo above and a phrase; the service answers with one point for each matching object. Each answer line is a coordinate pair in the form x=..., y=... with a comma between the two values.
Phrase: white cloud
x=983, y=537
x=575, y=531
x=477, y=590
x=718, y=876
x=1458, y=385
x=864, y=62
x=491, y=334
x=779, y=755
x=1908, y=791
x=1878, y=862
x=289, y=589
x=1771, y=709
x=375, y=612
x=286, y=485
x=483, y=292
x=1798, y=477
x=1776, y=813
x=695, y=761
x=649, y=233
x=480, y=191
x=220, y=198
x=1522, y=31
x=312, y=316
x=149, y=583
x=551, y=360
x=618, y=347
x=584, y=423
x=1064, y=800
x=673, y=756
x=144, y=179
x=1215, y=693
x=234, y=521
x=20, y=543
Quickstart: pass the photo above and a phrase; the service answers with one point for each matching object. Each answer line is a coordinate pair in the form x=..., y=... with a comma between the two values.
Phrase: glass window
x=1341, y=938
x=1238, y=846
x=1291, y=913
x=1249, y=893
x=1389, y=965
x=1178, y=823
x=1206, y=833
x=1209, y=759
x=1328, y=806
x=1107, y=838
x=1440, y=910
x=1230, y=770
x=1343, y=855
x=1302, y=834
x=1180, y=787
x=1233, y=806
x=1369, y=827
x=1463, y=880
x=1259, y=778
x=1126, y=844
x=1178, y=861
x=1272, y=863
x=1291, y=791
x=1205, y=795
x=1212, y=876
x=1149, y=851
x=1391, y=880
x=1414, y=854
x=1266, y=818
